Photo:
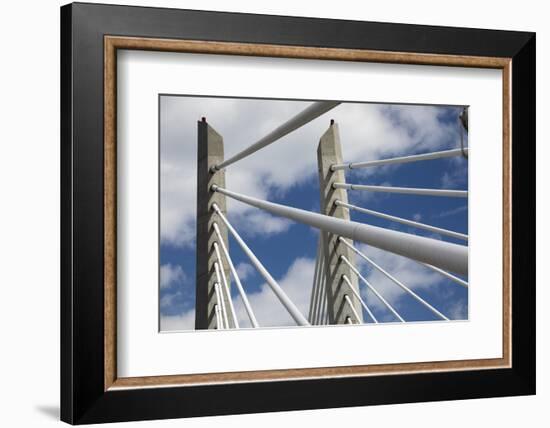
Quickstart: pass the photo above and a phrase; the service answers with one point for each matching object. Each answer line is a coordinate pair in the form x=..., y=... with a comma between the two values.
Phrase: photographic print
x=278, y=213
x=294, y=206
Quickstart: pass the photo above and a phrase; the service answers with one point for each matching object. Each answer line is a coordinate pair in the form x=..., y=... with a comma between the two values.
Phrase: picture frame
x=91, y=391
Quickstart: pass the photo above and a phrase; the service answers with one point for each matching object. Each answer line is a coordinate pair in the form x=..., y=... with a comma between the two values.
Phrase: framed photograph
x=265, y=213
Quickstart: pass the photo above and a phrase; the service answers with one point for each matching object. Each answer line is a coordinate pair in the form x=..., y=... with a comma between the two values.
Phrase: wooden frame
x=112, y=43
x=94, y=377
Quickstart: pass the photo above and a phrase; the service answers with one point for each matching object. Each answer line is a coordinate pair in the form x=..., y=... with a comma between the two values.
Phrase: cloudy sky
x=286, y=172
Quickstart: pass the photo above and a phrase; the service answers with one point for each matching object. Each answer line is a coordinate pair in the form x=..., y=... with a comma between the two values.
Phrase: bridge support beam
x=329, y=152
x=210, y=152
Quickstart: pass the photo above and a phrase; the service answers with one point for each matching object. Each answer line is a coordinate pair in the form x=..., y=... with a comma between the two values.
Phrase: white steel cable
x=275, y=287
x=313, y=111
x=456, y=279
x=218, y=317
x=323, y=310
x=325, y=317
x=315, y=287
x=445, y=255
x=240, y=288
x=394, y=279
x=226, y=285
x=356, y=294
x=400, y=159
x=424, y=226
x=403, y=190
x=322, y=296
x=350, y=304
x=219, y=298
x=369, y=285
x=322, y=315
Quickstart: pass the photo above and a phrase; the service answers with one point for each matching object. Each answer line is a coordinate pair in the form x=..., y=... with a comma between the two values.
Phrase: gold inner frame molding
x=113, y=43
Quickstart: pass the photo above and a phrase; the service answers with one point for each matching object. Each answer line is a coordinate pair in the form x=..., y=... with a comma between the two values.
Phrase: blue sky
x=286, y=172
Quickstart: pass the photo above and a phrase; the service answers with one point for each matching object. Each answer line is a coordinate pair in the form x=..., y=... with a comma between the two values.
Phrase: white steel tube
x=456, y=279
x=307, y=115
x=445, y=255
x=321, y=295
x=369, y=285
x=324, y=312
x=348, y=320
x=240, y=288
x=226, y=285
x=350, y=303
x=404, y=190
x=219, y=298
x=315, y=286
x=218, y=317
x=356, y=294
x=276, y=288
x=404, y=221
x=394, y=279
x=322, y=317
x=401, y=159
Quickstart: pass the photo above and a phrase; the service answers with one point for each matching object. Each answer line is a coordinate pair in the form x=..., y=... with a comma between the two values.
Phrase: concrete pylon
x=329, y=152
x=210, y=152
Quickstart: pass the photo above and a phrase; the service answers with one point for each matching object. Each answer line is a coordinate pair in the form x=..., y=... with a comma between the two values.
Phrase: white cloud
x=297, y=283
x=368, y=131
x=409, y=272
x=168, y=298
x=453, y=179
x=185, y=321
x=452, y=212
x=254, y=223
x=244, y=270
x=456, y=175
x=459, y=310
x=269, y=311
x=171, y=275
x=417, y=217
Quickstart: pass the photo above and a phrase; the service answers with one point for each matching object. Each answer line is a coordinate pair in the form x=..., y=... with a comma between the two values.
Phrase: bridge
x=336, y=296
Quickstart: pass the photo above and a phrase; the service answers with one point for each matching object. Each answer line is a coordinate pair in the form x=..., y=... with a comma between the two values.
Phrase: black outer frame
x=83, y=399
